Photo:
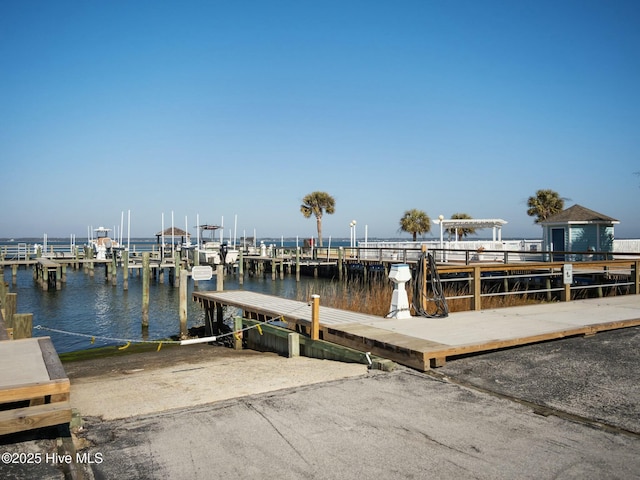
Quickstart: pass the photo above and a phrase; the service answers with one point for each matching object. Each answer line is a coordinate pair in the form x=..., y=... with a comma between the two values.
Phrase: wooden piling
x=297, y=264
x=237, y=338
x=477, y=299
x=219, y=277
x=240, y=268
x=184, y=275
x=315, y=317
x=145, y=289
x=22, y=325
x=293, y=343
x=10, y=308
x=114, y=269
x=177, y=277
x=3, y=291
x=125, y=270
x=58, y=278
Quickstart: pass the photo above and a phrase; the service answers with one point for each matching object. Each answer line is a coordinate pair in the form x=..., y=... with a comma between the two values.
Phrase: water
x=93, y=307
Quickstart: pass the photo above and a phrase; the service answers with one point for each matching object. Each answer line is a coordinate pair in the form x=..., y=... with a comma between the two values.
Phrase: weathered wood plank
x=51, y=360
x=14, y=393
x=423, y=342
x=38, y=416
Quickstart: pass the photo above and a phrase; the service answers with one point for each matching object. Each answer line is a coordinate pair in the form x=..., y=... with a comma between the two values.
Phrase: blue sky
x=239, y=109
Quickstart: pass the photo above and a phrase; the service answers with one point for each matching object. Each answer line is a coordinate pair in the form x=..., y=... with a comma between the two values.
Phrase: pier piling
x=145, y=289
x=184, y=275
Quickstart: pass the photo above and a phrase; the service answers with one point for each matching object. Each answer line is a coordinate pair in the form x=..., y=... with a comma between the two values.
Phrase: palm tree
x=416, y=222
x=318, y=203
x=545, y=204
x=462, y=232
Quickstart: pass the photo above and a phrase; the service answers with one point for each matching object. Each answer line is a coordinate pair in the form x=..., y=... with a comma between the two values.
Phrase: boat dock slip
x=422, y=343
x=34, y=389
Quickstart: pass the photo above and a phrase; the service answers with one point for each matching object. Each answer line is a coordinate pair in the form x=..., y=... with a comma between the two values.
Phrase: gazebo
x=578, y=229
x=454, y=224
x=173, y=232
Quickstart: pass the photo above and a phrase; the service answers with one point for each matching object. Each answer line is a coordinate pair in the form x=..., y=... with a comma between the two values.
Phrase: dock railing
x=549, y=281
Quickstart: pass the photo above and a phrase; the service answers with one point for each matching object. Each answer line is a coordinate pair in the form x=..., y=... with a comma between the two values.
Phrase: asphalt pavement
x=566, y=409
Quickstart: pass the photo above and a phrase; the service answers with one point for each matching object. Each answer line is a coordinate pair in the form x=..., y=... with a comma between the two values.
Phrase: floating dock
x=423, y=343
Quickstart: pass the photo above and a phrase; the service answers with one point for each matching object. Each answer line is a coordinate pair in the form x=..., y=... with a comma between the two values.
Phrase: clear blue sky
x=225, y=108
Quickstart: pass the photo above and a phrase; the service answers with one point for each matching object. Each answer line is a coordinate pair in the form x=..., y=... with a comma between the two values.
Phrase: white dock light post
x=352, y=229
x=399, y=274
x=441, y=218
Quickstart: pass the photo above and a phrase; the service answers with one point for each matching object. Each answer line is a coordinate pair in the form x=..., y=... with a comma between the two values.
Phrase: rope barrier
x=128, y=341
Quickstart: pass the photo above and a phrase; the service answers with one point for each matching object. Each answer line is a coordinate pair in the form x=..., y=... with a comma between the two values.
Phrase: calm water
x=91, y=306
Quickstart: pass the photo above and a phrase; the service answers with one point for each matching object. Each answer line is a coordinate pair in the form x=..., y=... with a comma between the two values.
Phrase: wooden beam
x=16, y=393
x=38, y=416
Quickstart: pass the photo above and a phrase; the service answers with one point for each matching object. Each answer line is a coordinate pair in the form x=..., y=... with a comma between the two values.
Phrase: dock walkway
x=423, y=343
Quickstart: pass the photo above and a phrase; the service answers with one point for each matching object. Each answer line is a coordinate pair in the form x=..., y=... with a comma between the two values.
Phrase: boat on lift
x=214, y=252
x=103, y=246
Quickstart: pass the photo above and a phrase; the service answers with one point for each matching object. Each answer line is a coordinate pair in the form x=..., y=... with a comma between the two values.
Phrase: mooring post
x=184, y=275
x=177, y=269
x=293, y=342
x=92, y=264
x=315, y=317
x=114, y=269
x=237, y=337
x=297, y=264
x=58, y=277
x=477, y=290
x=145, y=289
x=240, y=267
x=125, y=270
x=340, y=262
x=219, y=277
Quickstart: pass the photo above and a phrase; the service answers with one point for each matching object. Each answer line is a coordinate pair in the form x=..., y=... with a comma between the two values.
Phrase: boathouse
x=578, y=229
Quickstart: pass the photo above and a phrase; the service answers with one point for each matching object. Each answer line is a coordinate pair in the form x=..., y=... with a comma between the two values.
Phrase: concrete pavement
x=478, y=417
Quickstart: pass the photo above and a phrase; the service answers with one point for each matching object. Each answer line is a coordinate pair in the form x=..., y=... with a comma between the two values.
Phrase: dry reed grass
x=374, y=297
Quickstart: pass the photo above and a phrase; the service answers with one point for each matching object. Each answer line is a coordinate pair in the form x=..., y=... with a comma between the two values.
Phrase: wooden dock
x=423, y=343
x=34, y=389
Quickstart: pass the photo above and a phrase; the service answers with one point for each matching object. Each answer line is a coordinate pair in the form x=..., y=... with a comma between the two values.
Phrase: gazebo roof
x=579, y=214
x=471, y=222
x=177, y=232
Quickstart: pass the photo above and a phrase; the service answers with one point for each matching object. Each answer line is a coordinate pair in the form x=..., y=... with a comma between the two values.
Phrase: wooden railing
x=540, y=280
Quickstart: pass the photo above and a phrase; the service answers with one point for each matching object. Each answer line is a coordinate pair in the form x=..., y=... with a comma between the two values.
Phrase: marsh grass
x=374, y=297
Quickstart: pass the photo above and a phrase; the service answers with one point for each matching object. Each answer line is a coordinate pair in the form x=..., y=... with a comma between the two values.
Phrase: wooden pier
x=422, y=343
x=34, y=389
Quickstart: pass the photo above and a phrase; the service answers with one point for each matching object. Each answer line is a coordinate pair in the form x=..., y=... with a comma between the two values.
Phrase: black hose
x=435, y=306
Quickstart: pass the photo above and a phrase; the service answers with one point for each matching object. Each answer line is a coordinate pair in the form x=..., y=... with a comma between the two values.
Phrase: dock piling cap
x=400, y=272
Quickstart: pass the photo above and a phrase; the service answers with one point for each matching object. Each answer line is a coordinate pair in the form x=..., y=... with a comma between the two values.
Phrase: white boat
x=214, y=252
x=103, y=246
